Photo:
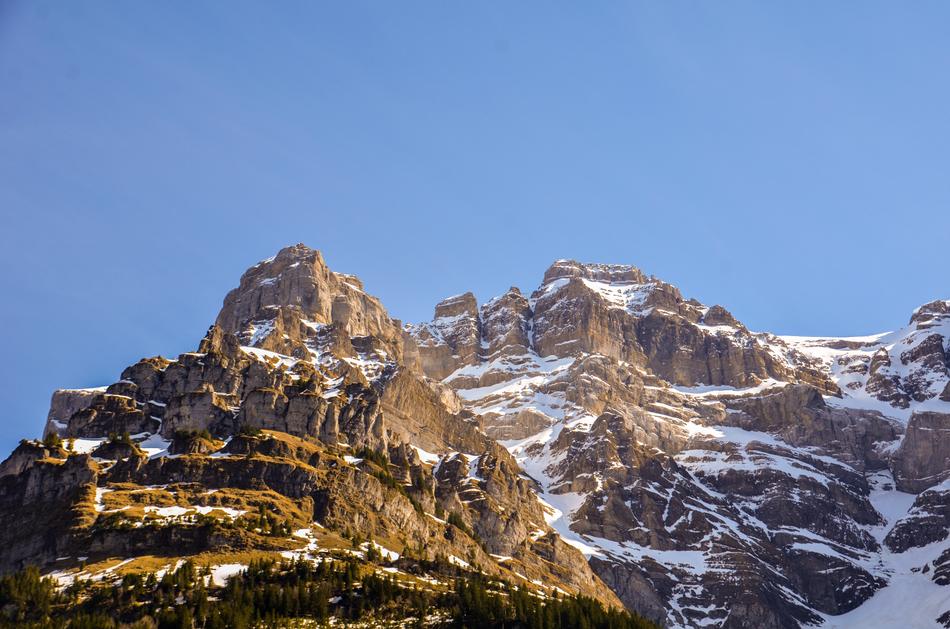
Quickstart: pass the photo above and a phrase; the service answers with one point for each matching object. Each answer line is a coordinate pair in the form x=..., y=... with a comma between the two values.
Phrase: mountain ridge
x=604, y=433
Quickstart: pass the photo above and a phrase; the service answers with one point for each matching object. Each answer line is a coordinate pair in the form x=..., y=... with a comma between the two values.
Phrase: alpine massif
x=538, y=460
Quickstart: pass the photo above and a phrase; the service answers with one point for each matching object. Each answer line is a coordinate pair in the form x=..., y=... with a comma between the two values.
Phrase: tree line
x=271, y=593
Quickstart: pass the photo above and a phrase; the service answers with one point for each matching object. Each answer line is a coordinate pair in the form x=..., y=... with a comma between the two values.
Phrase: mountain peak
x=610, y=273
x=290, y=254
x=455, y=305
x=932, y=310
x=299, y=250
x=284, y=303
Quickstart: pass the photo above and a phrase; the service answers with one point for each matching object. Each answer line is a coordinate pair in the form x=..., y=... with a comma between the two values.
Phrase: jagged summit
x=608, y=309
x=610, y=273
x=934, y=310
x=603, y=435
x=295, y=288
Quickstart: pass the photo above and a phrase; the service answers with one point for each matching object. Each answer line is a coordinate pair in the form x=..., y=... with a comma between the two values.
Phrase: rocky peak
x=608, y=309
x=610, y=273
x=457, y=306
x=453, y=337
x=298, y=279
x=717, y=315
x=292, y=278
x=505, y=323
x=931, y=312
x=293, y=304
x=617, y=311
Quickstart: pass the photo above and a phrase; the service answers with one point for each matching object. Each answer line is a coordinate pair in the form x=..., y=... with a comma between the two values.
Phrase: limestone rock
x=40, y=507
x=923, y=458
x=452, y=339
x=799, y=414
x=26, y=454
x=297, y=277
x=928, y=521
x=505, y=322
x=64, y=404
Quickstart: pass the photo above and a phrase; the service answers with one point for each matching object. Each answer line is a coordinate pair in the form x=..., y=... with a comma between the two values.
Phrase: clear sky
x=786, y=159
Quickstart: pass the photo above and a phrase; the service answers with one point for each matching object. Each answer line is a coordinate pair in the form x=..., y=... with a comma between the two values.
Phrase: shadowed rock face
x=923, y=458
x=800, y=416
x=40, y=507
x=603, y=435
x=927, y=522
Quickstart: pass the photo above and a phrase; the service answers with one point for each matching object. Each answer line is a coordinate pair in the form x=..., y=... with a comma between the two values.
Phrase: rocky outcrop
x=192, y=442
x=64, y=404
x=41, y=508
x=931, y=314
x=800, y=416
x=491, y=486
x=923, y=458
x=928, y=521
x=930, y=359
x=901, y=368
x=28, y=453
x=619, y=312
x=203, y=409
x=452, y=339
x=883, y=383
x=117, y=449
x=110, y=413
x=570, y=318
x=418, y=414
x=298, y=280
x=294, y=305
x=505, y=322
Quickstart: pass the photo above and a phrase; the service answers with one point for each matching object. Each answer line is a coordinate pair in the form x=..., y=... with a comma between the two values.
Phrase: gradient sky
x=788, y=160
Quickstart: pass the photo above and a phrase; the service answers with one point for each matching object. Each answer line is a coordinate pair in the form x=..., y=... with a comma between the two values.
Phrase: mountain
x=603, y=440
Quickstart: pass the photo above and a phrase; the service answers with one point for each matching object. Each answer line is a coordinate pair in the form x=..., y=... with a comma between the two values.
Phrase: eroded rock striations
x=603, y=435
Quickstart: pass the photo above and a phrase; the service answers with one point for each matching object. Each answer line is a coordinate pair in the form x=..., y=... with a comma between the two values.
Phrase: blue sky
x=788, y=160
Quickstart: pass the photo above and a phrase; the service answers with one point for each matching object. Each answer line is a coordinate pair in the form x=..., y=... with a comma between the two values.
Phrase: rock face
x=42, y=505
x=799, y=415
x=451, y=339
x=677, y=446
x=926, y=523
x=614, y=311
x=28, y=453
x=923, y=458
x=604, y=435
x=298, y=281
